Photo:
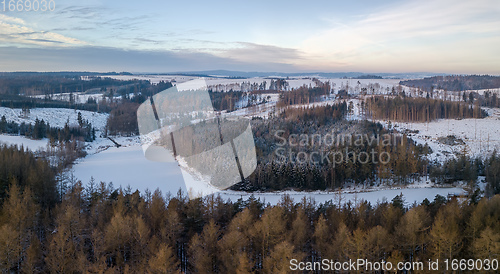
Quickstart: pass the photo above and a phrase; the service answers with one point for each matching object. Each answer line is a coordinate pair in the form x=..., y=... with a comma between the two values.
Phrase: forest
x=102, y=229
x=23, y=169
x=15, y=89
x=455, y=82
x=41, y=129
x=48, y=83
x=304, y=94
x=407, y=109
x=225, y=100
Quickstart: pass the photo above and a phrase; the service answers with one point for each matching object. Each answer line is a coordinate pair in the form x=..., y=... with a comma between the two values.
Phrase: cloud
x=256, y=53
x=422, y=35
x=15, y=31
x=87, y=58
x=11, y=20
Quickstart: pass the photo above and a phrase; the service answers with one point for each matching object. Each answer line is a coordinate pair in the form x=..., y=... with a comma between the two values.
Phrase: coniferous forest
x=455, y=82
x=421, y=109
x=244, y=137
x=100, y=229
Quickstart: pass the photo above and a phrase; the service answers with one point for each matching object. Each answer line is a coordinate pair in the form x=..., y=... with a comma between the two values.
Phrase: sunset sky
x=288, y=36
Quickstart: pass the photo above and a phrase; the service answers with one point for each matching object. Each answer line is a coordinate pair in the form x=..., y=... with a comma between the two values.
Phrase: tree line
x=303, y=168
x=41, y=129
x=225, y=100
x=102, y=229
x=455, y=82
x=46, y=83
x=407, y=109
x=468, y=169
x=21, y=168
x=305, y=94
x=122, y=120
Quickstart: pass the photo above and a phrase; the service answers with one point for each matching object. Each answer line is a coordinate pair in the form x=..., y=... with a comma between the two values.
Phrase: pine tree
x=279, y=258
x=411, y=232
x=445, y=233
x=10, y=250
x=322, y=238
x=269, y=230
x=204, y=251
x=65, y=245
x=19, y=211
x=300, y=231
x=377, y=244
x=487, y=246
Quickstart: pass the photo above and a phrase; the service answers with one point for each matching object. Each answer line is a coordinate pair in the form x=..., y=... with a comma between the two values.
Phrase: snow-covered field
x=480, y=136
x=29, y=144
x=57, y=117
x=126, y=166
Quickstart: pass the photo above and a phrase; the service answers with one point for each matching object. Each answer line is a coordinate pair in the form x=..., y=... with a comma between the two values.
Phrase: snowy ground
x=480, y=136
x=57, y=117
x=29, y=144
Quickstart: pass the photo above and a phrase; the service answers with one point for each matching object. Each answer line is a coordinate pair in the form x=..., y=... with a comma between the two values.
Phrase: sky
x=442, y=36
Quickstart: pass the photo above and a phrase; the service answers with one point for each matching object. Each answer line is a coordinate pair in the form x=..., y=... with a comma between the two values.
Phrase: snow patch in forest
x=410, y=195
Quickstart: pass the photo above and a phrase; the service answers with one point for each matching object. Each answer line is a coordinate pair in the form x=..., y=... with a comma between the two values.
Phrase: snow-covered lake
x=127, y=166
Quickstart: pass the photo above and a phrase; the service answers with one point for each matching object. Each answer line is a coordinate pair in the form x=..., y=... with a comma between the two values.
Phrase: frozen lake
x=127, y=166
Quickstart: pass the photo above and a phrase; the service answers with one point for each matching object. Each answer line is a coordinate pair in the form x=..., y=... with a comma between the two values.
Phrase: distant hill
x=60, y=73
x=354, y=75
x=369, y=76
x=234, y=74
x=455, y=82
